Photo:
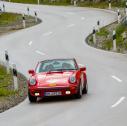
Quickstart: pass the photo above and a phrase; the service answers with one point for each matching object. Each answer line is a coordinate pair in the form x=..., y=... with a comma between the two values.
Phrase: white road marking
x=39, y=52
x=47, y=34
x=116, y=78
x=82, y=18
x=30, y=43
x=118, y=102
x=70, y=25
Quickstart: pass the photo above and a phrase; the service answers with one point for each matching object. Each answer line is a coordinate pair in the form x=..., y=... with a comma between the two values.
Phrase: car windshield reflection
x=57, y=65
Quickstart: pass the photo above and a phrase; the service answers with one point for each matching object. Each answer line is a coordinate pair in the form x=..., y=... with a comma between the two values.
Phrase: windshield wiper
x=55, y=71
x=59, y=70
x=62, y=70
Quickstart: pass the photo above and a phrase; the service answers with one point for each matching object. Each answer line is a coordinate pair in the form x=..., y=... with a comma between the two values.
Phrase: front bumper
x=64, y=91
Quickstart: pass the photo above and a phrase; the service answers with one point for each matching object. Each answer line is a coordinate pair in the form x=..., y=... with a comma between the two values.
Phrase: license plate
x=52, y=93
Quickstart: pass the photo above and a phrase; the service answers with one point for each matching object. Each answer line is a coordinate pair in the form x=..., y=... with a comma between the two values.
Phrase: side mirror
x=32, y=72
x=83, y=68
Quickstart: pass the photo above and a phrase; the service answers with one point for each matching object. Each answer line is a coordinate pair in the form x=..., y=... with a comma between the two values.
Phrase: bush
x=9, y=18
x=5, y=82
x=6, y=92
x=103, y=32
x=107, y=45
x=120, y=29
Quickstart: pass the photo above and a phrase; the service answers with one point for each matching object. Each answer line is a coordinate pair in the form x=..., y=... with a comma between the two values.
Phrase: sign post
x=119, y=16
x=3, y=8
x=114, y=40
x=94, y=36
x=15, y=78
x=23, y=21
x=110, y=5
x=35, y=13
x=98, y=26
x=38, y=2
x=28, y=11
x=7, y=61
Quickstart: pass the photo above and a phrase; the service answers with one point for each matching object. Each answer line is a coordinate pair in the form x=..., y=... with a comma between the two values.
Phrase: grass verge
x=5, y=83
x=105, y=40
x=8, y=96
x=12, y=21
x=9, y=18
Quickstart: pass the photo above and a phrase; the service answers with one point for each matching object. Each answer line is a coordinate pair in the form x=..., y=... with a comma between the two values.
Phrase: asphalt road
x=62, y=34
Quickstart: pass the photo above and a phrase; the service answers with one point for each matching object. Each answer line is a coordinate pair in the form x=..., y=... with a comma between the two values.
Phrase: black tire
x=32, y=99
x=79, y=93
x=85, y=89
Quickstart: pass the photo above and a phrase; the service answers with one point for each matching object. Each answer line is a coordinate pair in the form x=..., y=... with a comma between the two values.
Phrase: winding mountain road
x=62, y=34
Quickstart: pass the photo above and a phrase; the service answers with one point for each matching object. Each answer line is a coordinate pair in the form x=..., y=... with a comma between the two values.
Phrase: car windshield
x=56, y=65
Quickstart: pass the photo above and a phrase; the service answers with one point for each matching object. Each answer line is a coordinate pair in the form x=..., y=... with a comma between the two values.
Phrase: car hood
x=54, y=79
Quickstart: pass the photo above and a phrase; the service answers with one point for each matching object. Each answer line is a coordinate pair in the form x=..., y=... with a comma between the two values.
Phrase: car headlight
x=32, y=81
x=72, y=79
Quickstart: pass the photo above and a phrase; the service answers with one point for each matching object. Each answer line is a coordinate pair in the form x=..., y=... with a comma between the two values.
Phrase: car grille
x=55, y=89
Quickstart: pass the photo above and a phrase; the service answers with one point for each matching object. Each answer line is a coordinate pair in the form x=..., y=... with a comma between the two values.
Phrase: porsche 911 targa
x=57, y=77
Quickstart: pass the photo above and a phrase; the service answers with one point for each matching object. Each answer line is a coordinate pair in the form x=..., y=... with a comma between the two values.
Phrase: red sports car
x=57, y=77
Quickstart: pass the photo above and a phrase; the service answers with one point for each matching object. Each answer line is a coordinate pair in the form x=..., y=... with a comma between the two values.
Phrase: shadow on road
x=56, y=99
x=59, y=99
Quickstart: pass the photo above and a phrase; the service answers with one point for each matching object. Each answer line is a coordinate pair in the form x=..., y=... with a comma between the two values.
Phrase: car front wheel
x=85, y=89
x=32, y=98
x=79, y=93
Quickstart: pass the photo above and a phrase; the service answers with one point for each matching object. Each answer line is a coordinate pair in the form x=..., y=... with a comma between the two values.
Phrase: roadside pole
x=98, y=26
x=75, y=3
x=110, y=5
x=15, y=78
x=124, y=36
x=28, y=11
x=0, y=10
x=114, y=40
x=7, y=61
x=94, y=36
x=3, y=8
x=126, y=10
x=119, y=16
x=23, y=21
x=35, y=13
x=38, y=2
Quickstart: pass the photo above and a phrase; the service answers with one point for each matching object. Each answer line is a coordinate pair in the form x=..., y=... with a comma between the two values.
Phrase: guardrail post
x=110, y=5
x=0, y=10
x=126, y=9
x=28, y=11
x=119, y=16
x=7, y=61
x=35, y=13
x=98, y=26
x=94, y=36
x=23, y=21
x=75, y=3
x=124, y=36
x=15, y=78
x=3, y=8
x=114, y=40
x=38, y=2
